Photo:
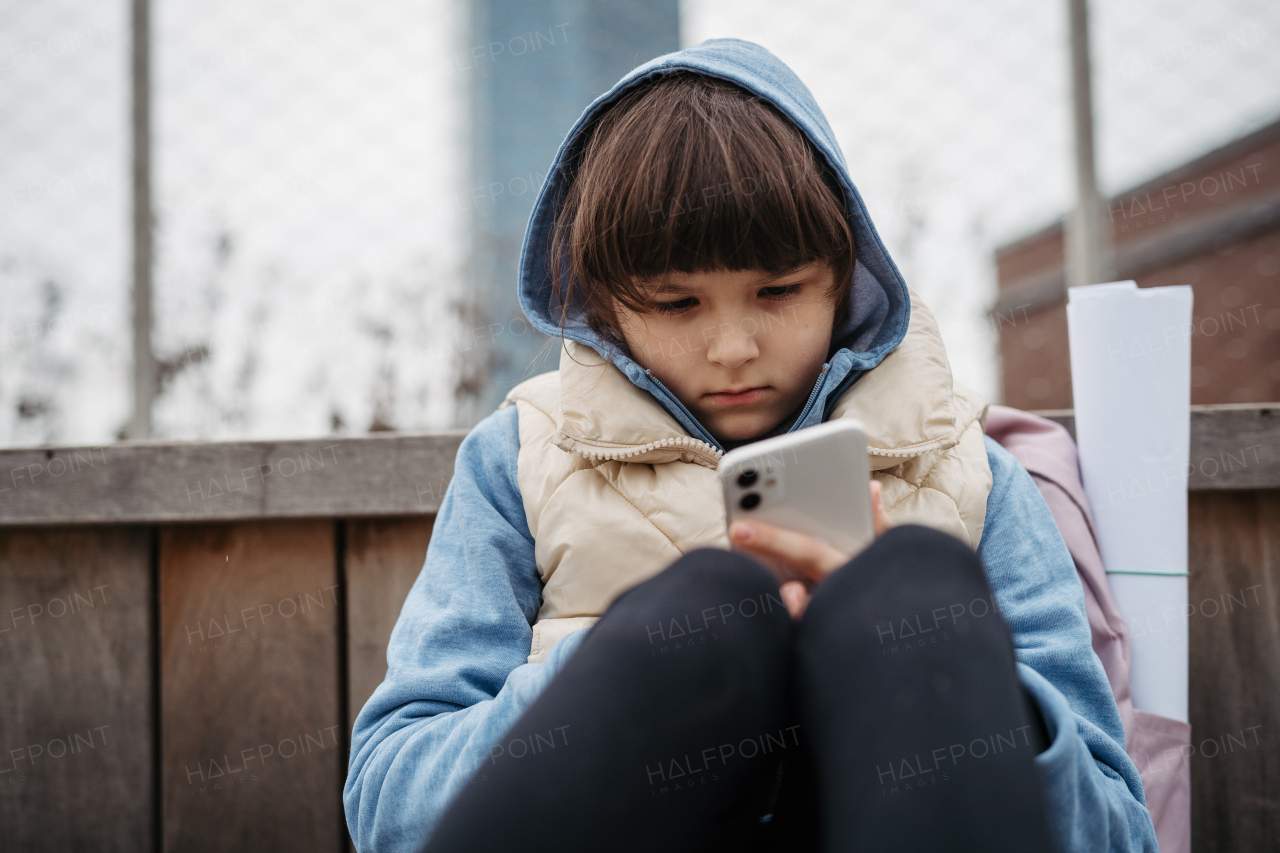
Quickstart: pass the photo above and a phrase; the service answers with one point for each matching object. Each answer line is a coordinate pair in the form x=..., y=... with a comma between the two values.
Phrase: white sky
x=308, y=155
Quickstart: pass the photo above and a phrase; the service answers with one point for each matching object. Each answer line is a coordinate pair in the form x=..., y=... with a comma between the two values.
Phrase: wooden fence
x=188, y=630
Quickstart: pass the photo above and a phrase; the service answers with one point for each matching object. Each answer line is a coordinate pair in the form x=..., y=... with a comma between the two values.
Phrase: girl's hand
x=807, y=556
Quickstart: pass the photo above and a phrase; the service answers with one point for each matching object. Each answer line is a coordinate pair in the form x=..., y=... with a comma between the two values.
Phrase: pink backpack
x=1159, y=746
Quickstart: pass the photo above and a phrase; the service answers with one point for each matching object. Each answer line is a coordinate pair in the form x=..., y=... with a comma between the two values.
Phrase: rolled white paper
x=1131, y=380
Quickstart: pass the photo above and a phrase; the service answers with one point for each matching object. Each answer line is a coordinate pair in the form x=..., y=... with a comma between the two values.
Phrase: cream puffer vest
x=615, y=489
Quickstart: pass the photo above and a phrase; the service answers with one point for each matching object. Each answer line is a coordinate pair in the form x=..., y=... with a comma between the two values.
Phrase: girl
x=581, y=662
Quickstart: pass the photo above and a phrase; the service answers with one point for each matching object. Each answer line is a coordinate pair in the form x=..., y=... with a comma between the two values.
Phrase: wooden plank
x=369, y=476
x=252, y=723
x=1235, y=658
x=1233, y=446
x=75, y=702
x=384, y=558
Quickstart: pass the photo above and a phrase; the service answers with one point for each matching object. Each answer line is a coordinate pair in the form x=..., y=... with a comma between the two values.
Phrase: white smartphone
x=815, y=481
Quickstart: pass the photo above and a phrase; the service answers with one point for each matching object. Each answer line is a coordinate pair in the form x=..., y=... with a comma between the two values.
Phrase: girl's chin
x=743, y=429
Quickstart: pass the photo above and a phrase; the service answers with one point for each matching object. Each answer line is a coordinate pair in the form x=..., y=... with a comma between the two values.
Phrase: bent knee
x=917, y=549
x=709, y=588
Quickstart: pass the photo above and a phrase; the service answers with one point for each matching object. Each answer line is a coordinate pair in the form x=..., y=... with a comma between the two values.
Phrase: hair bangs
x=692, y=174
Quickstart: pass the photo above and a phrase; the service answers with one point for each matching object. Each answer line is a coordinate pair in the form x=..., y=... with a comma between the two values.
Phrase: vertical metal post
x=144, y=364
x=1087, y=253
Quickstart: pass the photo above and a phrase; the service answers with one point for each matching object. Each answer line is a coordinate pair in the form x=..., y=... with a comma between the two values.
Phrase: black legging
x=697, y=716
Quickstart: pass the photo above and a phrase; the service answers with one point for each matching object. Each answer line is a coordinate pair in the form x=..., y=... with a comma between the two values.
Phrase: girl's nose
x=729, y=347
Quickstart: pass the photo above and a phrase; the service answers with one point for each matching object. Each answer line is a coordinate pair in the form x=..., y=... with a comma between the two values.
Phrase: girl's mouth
x=738, y=398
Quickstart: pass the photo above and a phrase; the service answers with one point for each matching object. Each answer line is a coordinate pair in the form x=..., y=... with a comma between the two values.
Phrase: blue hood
x=880, y=306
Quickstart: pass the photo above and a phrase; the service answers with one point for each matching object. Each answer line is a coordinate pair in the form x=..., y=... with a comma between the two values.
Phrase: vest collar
x=907, y=404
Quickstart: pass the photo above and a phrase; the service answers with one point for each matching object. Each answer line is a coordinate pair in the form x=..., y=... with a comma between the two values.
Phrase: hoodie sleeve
x=1096, y=801
x=456, y=672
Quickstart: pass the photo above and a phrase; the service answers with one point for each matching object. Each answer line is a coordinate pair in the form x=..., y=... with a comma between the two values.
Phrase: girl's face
x=741, y=350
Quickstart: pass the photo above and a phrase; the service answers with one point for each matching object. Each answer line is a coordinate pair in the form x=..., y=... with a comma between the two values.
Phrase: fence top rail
x=1232, y=447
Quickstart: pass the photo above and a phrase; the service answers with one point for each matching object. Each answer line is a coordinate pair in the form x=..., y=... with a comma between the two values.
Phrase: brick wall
x=1214, y=224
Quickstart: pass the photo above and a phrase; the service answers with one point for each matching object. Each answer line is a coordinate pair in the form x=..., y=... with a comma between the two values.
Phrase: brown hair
x=692, y=174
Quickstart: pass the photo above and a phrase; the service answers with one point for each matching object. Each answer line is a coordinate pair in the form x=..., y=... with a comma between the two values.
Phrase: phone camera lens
x=747, y=479
x=750, y=501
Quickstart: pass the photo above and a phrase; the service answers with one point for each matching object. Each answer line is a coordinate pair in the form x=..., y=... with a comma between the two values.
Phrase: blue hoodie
x=457, y=676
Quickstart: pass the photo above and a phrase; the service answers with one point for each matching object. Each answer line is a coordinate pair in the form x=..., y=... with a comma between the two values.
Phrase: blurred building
x=1212, y=223
x=533, y=67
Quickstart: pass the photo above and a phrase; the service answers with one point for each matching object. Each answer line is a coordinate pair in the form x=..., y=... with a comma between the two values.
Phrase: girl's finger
x=810, y=557
x=796, y=598
x=879, y=519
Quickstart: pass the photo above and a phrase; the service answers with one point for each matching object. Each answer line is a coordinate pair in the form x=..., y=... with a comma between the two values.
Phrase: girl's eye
x=677, y=307
x=780, y=291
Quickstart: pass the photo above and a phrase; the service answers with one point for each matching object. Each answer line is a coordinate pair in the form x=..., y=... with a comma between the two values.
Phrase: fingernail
x=745, y=532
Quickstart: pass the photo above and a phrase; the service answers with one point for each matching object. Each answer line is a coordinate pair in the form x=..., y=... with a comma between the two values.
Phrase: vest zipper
x=685, y=411
x=813, y=395
x=625, y=453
